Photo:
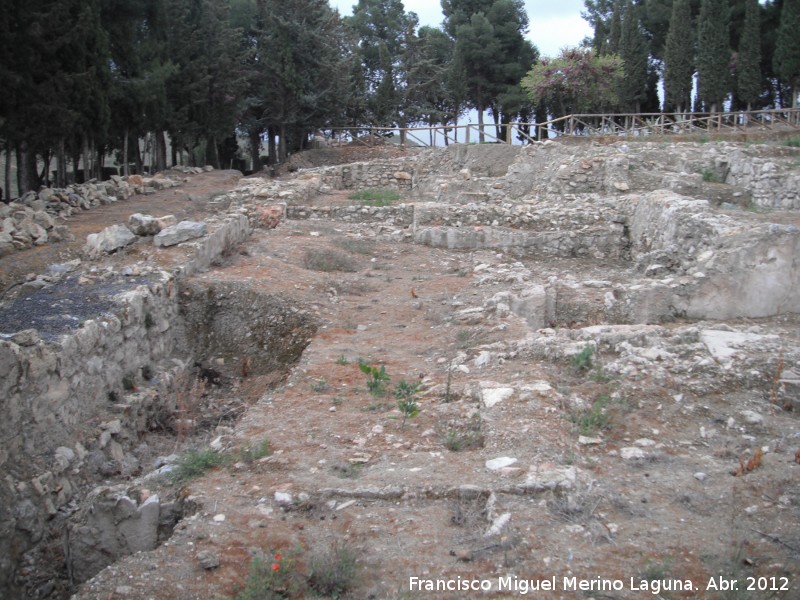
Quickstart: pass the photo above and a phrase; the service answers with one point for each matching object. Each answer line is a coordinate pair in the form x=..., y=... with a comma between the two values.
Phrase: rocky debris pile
x=35, y=218
x=165, y=231
x=24, y=226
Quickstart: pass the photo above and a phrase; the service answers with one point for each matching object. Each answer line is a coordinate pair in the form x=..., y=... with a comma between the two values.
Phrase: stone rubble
x=37, y=218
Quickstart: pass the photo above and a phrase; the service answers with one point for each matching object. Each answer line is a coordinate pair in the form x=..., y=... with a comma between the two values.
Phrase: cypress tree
x=748, y=65
x=614, y=30
x=678, y=58
x=713, y=53
x=786, y=59
x=634, y=53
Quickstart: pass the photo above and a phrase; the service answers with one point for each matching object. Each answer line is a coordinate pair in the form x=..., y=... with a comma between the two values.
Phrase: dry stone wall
x=97, y=364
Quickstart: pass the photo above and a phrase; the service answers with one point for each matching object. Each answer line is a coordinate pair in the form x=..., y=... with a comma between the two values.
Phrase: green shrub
x=710, y=176
x=376, y=378
x=465, y=438
x=319, y=385
x=406, y=393
x=582, y=361
x=194, y=463
x=333, y=572
x=250, y=453
x=594, y=419
x=272, y=579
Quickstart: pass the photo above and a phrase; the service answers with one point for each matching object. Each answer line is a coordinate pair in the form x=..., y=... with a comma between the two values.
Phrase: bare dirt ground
x=415, y=498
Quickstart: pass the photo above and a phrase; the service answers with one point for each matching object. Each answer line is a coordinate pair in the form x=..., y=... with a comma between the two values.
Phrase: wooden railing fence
x=579, y=125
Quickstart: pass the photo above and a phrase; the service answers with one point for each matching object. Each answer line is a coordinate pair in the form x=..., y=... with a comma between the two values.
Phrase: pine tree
x=748, y=64
x=205, y=92
x=385, y=31
x=492, y=51
x=787, y=48
x=634, y=53
x=713, y=54
x=678, y=58
x=599, y=14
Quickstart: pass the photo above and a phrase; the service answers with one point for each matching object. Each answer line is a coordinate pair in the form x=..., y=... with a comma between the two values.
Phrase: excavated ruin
x=672, y=269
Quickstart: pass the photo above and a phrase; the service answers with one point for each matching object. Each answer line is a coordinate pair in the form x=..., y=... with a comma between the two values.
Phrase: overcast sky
x=553, y=23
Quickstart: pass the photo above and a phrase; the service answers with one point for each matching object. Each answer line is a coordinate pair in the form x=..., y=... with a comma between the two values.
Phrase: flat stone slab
x=182, y=232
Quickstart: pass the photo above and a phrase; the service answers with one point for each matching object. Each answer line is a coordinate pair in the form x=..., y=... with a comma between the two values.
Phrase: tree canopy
x=83, y=80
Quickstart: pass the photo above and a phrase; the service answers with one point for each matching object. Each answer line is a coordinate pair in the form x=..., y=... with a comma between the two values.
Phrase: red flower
x=278, y=556
x=275, y=566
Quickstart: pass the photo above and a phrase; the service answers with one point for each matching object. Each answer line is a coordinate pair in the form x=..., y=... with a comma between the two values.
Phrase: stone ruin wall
x=67, y=413
x=646, y=203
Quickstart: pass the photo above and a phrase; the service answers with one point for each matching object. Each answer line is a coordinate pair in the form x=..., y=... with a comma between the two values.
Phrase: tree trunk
x=76, y=162
x=101, y=155
x=497, y=127
x=87, y=160
x=271, y=149
x=160, y=144
x=212, y=152
x=481, y=138
x=125, y=168
x=255, y=150
x=27, y=177
x=282, y=143
x=44, y=175
x=61, y=164
x=7, y=174
x=137, y=156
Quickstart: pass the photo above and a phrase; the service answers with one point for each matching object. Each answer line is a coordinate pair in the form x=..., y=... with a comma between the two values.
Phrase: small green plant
x=376, y=378
x=406, y=394
x=654, y=571
x=377, y=407
x=465, y=438
x=582, y=361
x=326, y=260
x=194, y=463
x=272, y=579
x=600, y=375
x=793, y=142
x=595, y=418
x=375, y=197
x=347, y=470
x=129, y=382
x=333, y=572
x=710, y=176
x=342, y=360
x=448, y=386
x=319, y=385
x=250, y=453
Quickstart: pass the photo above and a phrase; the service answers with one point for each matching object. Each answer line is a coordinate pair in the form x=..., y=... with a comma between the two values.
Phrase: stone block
x=182, y=232
x=109, y=240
